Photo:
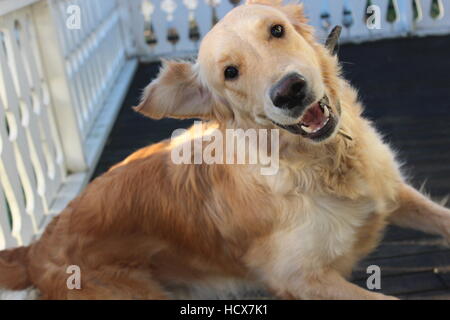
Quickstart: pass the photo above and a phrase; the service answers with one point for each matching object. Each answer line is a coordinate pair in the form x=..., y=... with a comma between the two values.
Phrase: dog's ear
x=176, y=93
x=332, y=43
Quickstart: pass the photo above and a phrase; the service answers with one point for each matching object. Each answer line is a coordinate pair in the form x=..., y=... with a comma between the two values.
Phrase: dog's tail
x=13, y=269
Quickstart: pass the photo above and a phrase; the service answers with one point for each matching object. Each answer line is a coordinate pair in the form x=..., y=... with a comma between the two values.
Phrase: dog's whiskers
x=345, y=135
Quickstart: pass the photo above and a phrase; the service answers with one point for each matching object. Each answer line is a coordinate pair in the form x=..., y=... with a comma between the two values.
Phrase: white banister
x=439, y=23
x=26, y=180
x=7, y=6
x=396, y=17
x=132, y=21
x=63, y=78
x=67, y=111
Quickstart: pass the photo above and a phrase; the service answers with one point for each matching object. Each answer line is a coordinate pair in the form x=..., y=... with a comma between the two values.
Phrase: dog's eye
x=231, y=73
x=277, y=30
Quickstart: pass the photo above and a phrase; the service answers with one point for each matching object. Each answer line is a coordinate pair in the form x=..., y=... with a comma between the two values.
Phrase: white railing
x=180, y=20
x=64, y=69
x=397, y=18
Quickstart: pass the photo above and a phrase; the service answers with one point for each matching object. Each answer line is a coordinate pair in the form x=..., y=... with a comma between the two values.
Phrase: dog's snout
x=289, y=92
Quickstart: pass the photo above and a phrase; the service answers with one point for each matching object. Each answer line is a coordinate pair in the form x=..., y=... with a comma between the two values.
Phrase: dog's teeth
x=327, y=112
x=306, y=129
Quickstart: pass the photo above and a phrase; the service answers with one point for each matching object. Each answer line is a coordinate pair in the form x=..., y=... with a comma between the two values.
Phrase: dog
x=153, y=229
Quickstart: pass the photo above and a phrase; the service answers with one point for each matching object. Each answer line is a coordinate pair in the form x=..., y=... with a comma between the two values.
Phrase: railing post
x=406, y=20
x=133, y=26
x=61, y=95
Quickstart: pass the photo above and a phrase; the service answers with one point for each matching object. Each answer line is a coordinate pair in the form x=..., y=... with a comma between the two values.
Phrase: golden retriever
x=153, y=229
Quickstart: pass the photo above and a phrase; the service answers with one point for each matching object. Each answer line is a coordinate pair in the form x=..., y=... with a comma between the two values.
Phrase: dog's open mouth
x=318, y=121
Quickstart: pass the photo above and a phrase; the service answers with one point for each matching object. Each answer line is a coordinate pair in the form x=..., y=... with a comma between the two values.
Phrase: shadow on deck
x=405, y=85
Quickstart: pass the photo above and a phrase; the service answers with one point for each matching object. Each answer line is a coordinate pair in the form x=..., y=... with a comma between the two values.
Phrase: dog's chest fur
x=324, y=209
x=320, y=227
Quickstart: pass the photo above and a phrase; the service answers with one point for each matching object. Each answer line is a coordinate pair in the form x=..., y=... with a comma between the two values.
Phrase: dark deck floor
x=405, y=84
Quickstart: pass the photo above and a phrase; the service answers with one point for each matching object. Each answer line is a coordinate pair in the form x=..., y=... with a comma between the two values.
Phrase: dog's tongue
x=314, y=117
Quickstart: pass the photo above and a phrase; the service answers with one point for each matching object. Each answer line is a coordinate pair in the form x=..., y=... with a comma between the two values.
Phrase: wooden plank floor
x=405, y=85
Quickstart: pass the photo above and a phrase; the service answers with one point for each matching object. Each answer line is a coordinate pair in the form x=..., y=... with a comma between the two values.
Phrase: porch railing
x=65, y=66
x=175, y=27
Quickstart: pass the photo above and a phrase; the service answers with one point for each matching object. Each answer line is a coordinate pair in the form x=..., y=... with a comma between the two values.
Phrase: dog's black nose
x=289, y=92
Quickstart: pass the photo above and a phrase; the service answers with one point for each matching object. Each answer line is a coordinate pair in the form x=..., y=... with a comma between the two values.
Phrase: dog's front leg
x=321, y=285
x=418, y=212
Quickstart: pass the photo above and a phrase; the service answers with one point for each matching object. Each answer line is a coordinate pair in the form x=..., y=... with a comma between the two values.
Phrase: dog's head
x=259, y=66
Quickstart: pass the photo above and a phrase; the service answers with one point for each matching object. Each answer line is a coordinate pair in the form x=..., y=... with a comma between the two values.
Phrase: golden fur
x=150, y=229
